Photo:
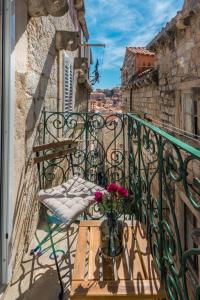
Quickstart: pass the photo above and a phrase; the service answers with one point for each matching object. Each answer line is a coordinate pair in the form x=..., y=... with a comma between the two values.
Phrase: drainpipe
x=7, y=132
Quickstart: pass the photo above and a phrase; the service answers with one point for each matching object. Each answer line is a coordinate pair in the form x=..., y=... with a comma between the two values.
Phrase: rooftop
x=140, y=50
x=145, y=77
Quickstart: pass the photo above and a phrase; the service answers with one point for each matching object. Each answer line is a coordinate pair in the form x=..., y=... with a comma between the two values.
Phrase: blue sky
x=121, y=23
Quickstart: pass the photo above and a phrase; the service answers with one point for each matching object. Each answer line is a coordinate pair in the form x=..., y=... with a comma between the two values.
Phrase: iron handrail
x=192, y=150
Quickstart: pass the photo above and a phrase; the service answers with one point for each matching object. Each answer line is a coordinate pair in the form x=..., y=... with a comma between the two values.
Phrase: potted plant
x=111, y=203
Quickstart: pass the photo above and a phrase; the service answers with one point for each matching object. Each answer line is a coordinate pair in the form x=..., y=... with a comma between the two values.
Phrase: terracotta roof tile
x=144, y=72
x=140, y=50
x=151, y=74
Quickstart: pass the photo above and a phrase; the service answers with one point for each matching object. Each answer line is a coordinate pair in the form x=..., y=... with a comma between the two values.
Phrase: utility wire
x=196, y=140
x=175, y=130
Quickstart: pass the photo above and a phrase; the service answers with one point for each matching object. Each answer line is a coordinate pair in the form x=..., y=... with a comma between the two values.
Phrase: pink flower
x=122, y=191
x=112, y=188
x=98, y=196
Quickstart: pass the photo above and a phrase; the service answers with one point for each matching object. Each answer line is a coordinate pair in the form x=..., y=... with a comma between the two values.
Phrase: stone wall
x=37, y=87
x=156, y=101
x=125, y=100
x=146, y=101
x=82, y=92
x=178, y=64
x=178, y=61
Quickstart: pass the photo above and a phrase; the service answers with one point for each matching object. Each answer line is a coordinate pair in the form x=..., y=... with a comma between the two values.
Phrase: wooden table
x=131, y=277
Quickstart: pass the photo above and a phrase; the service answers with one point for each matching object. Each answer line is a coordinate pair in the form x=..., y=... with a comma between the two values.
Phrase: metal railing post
x=44, y=140
x=129, y=155
x=160, y=206
x=139, y=194
x=124, y=148
x=86, y=145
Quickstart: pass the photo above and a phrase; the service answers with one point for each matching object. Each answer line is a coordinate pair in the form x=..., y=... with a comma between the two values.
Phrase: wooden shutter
x=68, y=84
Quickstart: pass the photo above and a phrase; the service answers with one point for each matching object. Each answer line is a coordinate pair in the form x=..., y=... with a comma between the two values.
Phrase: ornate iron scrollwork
x=159, y=170
x=163, y=170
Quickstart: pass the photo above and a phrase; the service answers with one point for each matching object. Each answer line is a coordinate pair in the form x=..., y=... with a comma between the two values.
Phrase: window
x=196, y=111
x=191, y=113
x=68, y=84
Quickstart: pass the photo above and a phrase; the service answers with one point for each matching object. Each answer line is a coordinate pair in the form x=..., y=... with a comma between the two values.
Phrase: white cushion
x=70, y=199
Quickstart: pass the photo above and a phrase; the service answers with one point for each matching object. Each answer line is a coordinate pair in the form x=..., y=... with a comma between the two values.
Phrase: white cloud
x=126, y=23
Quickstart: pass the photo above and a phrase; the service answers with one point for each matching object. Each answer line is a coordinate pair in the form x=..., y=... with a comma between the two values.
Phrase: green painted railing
x=161, y=172
x=164, y=177
x=100, y=150
x=101, y=154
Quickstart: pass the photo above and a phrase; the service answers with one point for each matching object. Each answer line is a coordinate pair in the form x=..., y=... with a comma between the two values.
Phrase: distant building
x=108, y=92
x=137, y=60
x=105, y=101
x=98, y=96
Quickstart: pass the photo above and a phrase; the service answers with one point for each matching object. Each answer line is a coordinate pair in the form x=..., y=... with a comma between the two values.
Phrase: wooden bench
x=133, y=276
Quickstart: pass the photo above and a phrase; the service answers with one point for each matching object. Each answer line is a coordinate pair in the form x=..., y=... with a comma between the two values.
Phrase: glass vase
x=111, y=236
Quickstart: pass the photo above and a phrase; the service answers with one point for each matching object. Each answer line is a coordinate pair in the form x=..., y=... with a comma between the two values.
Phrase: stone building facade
x=137, y=60
x=172, y=96
x=50, y=72
x=169, y=96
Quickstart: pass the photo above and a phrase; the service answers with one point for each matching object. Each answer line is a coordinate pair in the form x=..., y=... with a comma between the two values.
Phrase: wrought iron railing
x=162, y=175
x=101, y=146
x=100, y=151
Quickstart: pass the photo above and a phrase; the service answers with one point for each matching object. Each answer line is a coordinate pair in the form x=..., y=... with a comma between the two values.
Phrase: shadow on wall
x=21, y=18
x=25, y=215
x=38, y=99
x=81, y=98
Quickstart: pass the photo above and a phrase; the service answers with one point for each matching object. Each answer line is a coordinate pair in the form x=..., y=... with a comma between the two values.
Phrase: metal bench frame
x=59, y=149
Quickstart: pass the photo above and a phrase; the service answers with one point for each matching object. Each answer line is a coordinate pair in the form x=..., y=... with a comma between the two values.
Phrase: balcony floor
x=36, y=278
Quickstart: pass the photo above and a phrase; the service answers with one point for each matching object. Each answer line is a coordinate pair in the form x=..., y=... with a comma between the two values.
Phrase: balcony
x=162, y=176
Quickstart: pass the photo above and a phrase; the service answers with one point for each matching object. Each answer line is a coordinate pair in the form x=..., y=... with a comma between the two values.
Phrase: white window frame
x=188, y=112
x=7, y=135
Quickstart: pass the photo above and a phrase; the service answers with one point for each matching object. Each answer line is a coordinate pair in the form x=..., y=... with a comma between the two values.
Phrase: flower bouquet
x=111, y=227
